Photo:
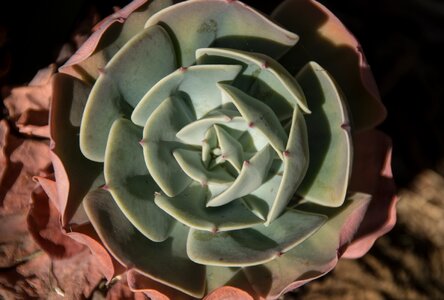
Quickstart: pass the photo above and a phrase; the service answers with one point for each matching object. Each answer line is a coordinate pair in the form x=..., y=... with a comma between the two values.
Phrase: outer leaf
x=110, y=35
x=130, y=184
x=74, y=173
x=138, y=282
x=329, y=139
x=115, y=93
x=165, y=262
x=255, y=245
x=315, y=256
x=44, y=225
x=372, y=174
x=86, y=235
x=221, y=23
x=329, y=43
x=228, y=292
x=228, y=283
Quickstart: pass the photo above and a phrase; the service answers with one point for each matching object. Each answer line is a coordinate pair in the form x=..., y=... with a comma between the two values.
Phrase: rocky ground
x=404, y=44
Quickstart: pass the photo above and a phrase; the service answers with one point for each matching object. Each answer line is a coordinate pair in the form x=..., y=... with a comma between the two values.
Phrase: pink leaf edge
x=339, y=32
x=90, y=45
x=373, y=152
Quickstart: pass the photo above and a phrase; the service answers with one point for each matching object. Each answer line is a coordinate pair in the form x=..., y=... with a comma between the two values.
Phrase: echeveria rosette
x=212, y=148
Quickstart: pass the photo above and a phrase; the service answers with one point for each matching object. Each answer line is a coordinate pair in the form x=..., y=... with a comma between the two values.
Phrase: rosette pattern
x=193, y=149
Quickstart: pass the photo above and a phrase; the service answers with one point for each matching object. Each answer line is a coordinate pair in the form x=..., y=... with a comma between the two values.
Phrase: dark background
x=404, y=43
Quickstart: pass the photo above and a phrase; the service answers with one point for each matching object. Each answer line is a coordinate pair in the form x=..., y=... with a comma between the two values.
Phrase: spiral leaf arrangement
x=200, y=152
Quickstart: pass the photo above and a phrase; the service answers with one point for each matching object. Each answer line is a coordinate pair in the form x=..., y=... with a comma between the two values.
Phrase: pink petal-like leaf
x=104, y=34
x=83, y=234
x=316, y=255
x=73, y=172
x=44, y=225
x=86, y=235
x=325, y=39
x=228, y=293
x=153, y=289
x=372, y=174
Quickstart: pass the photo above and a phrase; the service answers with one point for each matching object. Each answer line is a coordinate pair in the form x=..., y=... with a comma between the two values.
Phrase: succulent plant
x=206, y=146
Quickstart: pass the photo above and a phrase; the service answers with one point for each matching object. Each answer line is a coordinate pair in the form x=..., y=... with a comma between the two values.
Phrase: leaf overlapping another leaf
x=210, y=158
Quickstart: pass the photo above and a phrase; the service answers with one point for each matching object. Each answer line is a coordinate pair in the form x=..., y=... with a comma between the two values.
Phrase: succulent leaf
x=190, y=208
x=115, y=94
x=196, y=131
x=327, y=41
x=329, y=139
x=225, y=276
x=159, y=142
x=68, y=102
x=296, y=157
x=130, y=184
x=231, y=149
x=111, y=35
x=219, y=166
x=262, y=78
x=191, y=163
x=316, y=255
x=166, y=262
x=258, y=115
x=221, y=23
x=255, y=245
x=252, y=175
x=264, y=197
x=198, y=83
